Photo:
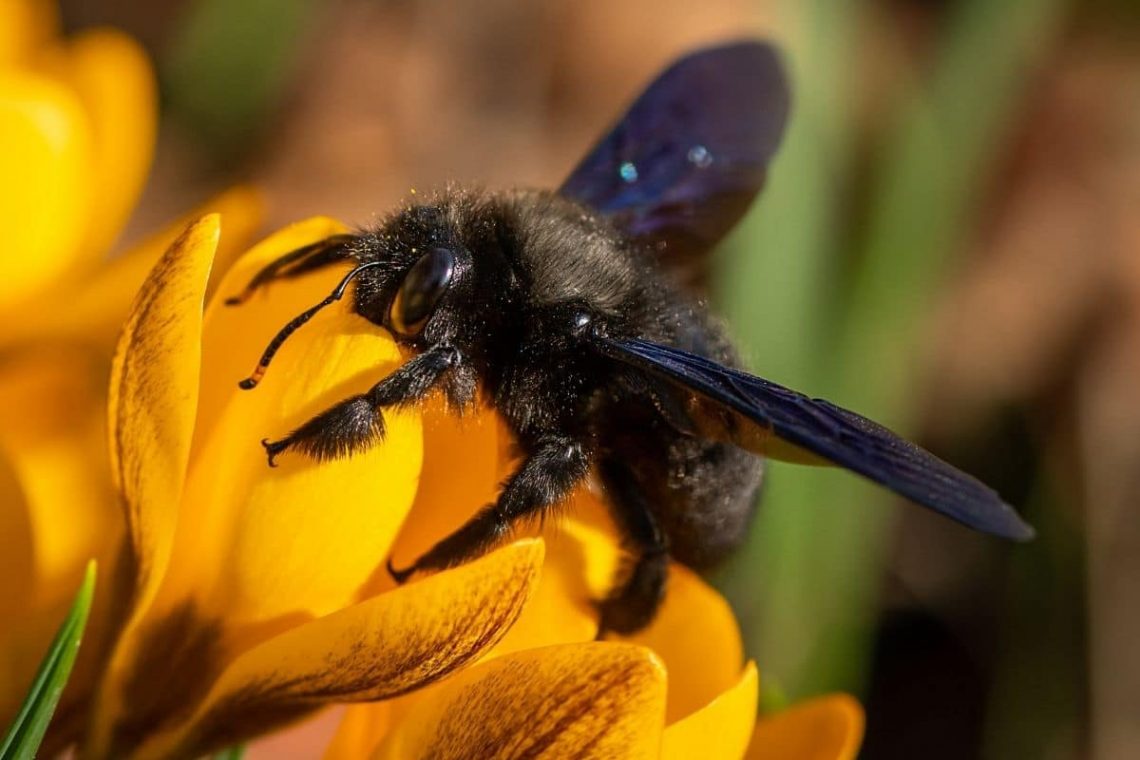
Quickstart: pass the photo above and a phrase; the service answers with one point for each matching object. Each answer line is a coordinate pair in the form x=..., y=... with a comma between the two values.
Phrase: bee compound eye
x=423, y=286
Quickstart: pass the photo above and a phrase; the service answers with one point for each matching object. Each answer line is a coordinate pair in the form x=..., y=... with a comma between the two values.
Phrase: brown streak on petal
x=179, y=658
x=530, y=708
x=366, y=672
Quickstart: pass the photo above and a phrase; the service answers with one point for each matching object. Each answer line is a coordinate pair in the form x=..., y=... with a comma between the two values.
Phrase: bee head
x=443, y=277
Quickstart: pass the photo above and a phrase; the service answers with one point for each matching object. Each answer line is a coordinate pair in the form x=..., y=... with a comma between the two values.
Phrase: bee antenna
x=271, y=350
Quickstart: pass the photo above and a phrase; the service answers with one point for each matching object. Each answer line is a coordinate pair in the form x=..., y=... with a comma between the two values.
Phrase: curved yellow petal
x=52, y=407
x=152, y=403
x=25, y=25
x=462, y=470
x=260, y=550
x=57, y=506
x=243, y=210
x=582, y=555
x=466, y=460
x=154, y=397
x=826, y=728
x=302, y=537
x=578, y=700
x=722, y=728
x=695, y=633
x=379, y=648
x=98, y=301
x=234, y=337
x=46, y=160
x=561, y=612
x=589, y=528
x=258, y=543
x=113, y=77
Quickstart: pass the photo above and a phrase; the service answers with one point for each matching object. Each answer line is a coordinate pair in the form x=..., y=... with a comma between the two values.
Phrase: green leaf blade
x=27, y=730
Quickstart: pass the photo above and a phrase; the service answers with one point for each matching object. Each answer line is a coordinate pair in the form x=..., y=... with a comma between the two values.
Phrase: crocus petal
x=463, y=468
x=234, y=337
x=151, y=408
x=98, y=301
x=583, y=553
x=561, y=612
x=25, y=25
x=580, y=545
x=258, y=543
x=260, y=549
x=239, y=550
x=46, y=160
x=51, y=402
x=154, y=397
x=465, y=462
x=826, y=728
x=113, y=78
x=591, y=530
x=379, y=648
x=578, y=700
x=721, y=728
x=695, y=633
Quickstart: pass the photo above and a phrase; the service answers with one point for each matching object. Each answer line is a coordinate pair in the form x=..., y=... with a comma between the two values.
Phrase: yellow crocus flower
x=77, y=129
x=259, y=593
x=249, y=606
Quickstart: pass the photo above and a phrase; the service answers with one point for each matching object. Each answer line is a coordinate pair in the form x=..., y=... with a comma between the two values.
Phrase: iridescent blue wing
x=771, y=420
x=683, y=164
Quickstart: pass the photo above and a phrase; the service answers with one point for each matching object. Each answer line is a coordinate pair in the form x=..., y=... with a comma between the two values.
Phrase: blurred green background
x=948, y=243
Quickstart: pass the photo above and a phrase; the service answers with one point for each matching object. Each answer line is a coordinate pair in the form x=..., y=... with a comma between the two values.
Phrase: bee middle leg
x=640, y=585
x=310, y=258
x=546, y=477
x=357, y=423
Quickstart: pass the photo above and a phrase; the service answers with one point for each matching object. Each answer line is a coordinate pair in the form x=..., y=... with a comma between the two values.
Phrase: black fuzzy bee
x=568, y=310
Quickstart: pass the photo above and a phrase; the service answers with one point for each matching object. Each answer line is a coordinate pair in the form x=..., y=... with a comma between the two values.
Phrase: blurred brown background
x=949, y=242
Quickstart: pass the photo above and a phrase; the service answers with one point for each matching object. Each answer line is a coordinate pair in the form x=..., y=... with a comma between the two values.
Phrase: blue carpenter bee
x=569, y=310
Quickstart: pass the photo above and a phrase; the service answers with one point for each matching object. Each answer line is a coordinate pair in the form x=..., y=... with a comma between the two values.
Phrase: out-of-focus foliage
x=229, y=64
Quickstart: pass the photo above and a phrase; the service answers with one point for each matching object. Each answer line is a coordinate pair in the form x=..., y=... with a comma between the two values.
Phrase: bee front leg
x=310, y=258
x=357, y=423
x=546, y=477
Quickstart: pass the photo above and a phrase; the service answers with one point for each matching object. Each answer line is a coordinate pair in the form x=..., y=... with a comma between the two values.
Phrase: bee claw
x=400, y=576
x=273, y=448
